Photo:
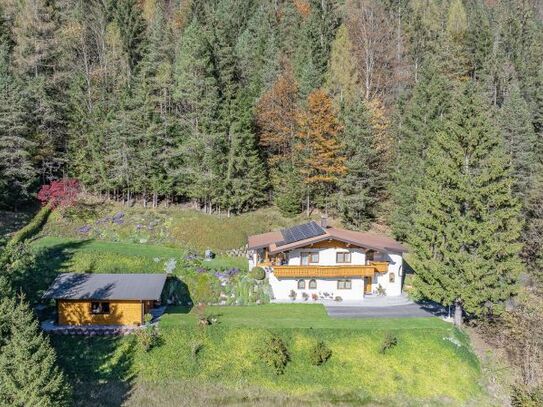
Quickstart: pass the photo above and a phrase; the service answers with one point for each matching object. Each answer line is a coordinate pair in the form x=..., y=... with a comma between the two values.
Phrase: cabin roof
x=280, y=241
x=94, y=286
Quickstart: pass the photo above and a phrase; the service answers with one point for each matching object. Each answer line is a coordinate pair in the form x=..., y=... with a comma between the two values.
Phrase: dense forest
x=234, y=104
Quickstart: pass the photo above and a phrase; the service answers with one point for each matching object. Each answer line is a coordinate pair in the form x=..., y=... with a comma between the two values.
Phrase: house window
x=309, y=258
x=301, y=284
x=391, y=277
x=99, y=307
x=344, y=284
x=312, y=284
x=343, y=257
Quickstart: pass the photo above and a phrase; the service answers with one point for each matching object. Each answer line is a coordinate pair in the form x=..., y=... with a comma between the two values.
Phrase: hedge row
x=32, y=228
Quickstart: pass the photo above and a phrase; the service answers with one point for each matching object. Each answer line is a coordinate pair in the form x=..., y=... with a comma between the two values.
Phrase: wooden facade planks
x=78, y=312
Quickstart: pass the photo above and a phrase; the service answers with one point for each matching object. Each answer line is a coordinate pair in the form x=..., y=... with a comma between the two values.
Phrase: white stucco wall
x=281, y=288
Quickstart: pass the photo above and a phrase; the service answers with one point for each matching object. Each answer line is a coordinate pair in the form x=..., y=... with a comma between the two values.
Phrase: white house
x=313, y=261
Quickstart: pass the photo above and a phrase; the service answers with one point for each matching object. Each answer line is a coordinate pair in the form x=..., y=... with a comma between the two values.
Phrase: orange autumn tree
x=276, y=119
x=319, y=148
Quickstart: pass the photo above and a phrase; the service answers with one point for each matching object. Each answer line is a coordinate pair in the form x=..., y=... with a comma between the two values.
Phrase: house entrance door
x=367, y=285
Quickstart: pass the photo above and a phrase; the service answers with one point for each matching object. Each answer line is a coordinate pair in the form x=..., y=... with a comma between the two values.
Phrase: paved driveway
x=412, y=310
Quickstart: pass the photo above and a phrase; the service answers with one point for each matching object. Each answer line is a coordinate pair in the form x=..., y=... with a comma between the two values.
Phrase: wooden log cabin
x=104, y=299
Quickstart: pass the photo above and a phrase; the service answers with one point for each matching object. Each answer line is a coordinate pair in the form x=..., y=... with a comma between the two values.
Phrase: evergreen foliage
x=28, y=372
x=465, y=240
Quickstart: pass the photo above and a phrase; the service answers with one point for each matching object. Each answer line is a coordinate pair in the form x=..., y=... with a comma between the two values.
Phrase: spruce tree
x=29, y=375
x=420, y=119
x=465, y=239
x=16, y=167
x=245, y=178
x=363, y=183
x=36, y=57
x=515, y=122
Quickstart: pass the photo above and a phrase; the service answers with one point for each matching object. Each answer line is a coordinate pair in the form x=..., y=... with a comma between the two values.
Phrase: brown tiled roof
x=367, y=240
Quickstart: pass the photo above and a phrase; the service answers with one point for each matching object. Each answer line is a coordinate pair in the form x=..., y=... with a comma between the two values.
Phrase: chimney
x=324, y=221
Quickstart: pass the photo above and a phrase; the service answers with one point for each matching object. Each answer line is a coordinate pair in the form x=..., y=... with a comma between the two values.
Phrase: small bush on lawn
x=389, y=342
x=258, y=273
x=320, y=353
x=274, y=353
x=148, y=338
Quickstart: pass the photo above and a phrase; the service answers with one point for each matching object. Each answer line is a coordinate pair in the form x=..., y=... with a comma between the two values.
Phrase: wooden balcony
x=323, y=271
x=380, y=266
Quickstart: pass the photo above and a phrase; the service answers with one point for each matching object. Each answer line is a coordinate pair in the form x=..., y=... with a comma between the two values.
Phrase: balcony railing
x=380, y=266
x=323, y=271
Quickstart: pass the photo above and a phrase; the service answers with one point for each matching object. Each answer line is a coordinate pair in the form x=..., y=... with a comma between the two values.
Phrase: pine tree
x=421, y=119
x=29, y=375
x=16, y=167
x=465, y=240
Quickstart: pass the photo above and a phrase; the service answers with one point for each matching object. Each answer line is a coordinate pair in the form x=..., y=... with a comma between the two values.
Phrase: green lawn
x=90, y=255
x=424, y=368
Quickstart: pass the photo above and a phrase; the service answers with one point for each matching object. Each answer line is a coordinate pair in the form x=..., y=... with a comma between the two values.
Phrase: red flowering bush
x=62, y=192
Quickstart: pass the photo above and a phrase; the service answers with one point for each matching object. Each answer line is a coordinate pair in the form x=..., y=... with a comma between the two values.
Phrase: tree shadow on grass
x=99, y=368
x=35, y=278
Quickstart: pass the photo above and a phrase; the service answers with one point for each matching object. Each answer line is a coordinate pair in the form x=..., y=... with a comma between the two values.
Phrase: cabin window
x=312, y=284
x=301, y=284
x=309, y=258
x=370, y=255
x=344, y=284
x=391, y=277
x=99, y=307
x=343, y=257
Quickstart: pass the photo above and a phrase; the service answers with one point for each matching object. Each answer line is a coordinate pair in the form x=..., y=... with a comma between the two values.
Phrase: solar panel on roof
x=301, y=232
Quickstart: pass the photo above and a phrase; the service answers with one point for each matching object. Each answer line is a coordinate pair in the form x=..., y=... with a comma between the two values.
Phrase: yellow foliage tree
x=319, y=148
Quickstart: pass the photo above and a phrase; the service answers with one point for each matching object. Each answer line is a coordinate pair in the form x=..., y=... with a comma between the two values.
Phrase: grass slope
x=175, y=227
x=90, y=255
x=424, y=368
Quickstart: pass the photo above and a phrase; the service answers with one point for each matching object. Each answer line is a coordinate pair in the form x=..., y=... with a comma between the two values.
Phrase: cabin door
x=367, y=285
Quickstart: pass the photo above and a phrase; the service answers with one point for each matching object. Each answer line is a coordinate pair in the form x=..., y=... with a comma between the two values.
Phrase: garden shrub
x=257, y=273
x=305, y=296
x=292, y=295
x=33, y=227
x=389, y=342
x=274, y=353
x=320, y=353
x=148, y=337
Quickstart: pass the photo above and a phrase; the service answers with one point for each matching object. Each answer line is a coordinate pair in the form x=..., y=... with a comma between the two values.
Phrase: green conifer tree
x=421, y=119
x=363, y=185
x=465, y=240
x=515, y=122
x=16, y=167
x=29, y=375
